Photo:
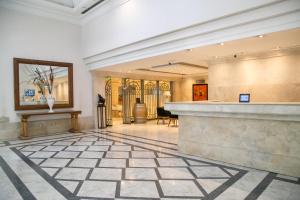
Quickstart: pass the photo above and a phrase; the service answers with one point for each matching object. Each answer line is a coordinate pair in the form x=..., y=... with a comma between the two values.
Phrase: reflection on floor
x=128, y=162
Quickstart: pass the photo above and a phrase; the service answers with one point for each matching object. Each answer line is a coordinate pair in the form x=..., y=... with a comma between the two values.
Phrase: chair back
x=161, y=112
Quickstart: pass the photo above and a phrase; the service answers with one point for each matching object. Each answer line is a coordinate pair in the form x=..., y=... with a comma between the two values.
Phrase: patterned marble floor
x=114, y=164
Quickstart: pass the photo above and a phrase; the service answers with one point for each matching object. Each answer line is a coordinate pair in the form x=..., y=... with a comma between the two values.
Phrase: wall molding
x=273, y=17
x=57, y=12
x=39, y=10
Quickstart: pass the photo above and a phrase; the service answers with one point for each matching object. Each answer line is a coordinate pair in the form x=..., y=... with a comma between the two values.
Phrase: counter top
x=257, y=110
x=216, y=102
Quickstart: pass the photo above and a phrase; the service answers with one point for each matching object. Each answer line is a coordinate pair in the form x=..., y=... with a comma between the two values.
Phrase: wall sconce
x=167, y=93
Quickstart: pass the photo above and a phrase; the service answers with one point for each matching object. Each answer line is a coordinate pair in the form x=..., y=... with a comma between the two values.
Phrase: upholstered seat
x=162, y=114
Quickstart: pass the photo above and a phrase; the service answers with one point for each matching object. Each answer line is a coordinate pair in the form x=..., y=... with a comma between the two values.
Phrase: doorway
x=122, y=94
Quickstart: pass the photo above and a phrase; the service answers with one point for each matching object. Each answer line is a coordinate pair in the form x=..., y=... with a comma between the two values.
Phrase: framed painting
x=200, y=92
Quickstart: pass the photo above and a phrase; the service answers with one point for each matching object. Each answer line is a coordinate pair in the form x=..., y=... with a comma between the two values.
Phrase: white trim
x=268, y=111
x=35, y=9
x=273, y=17
x=55, y=11
x=103, y=9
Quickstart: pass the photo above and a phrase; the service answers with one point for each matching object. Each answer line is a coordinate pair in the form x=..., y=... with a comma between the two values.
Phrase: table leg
x=74, y=123
x=24, y=135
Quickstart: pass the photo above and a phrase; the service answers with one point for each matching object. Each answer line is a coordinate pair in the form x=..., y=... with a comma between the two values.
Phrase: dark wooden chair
x=162, y=114
x=174, y=119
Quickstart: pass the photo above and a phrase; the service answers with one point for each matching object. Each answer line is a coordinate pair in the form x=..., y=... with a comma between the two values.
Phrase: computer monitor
x=244, y=98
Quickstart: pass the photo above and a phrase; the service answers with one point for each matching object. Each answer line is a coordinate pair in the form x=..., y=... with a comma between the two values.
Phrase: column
x=142, y=91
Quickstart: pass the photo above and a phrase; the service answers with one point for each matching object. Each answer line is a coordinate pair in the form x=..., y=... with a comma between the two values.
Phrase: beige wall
x=274, y=79
x=183, y=88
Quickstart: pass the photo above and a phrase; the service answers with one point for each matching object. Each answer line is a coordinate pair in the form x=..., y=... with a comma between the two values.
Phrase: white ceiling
x=248, y=48
x=175, y=69
x=66, y=3
x=65, y=10
x=74, y=7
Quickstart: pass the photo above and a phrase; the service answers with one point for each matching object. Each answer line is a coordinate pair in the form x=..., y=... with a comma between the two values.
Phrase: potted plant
x=39, y=82
x=49, y=84
x=45, y=79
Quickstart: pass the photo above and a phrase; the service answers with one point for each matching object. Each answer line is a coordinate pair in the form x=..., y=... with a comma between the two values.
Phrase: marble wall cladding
x=274, y=79
x=11, y=130
x=183, y=88
x=262, y=144
x=4, y=119
x=259, y=93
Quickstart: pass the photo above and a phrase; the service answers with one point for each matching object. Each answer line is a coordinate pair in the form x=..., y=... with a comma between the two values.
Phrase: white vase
x=50, y=101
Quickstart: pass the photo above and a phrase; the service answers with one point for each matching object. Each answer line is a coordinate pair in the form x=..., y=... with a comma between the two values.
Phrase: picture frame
x=200, y=92
x=20, y=64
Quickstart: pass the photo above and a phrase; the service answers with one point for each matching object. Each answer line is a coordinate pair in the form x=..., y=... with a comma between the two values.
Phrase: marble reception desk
x=260, y=135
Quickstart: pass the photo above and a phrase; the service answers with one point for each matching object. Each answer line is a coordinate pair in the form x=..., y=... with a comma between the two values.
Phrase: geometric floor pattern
x=97, y=167
x=111, y=165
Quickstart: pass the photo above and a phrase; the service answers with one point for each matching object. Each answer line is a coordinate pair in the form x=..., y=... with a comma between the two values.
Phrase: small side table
x=24, y=135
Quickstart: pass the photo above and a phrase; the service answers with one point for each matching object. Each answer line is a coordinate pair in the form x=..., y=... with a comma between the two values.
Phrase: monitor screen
x=244, y=98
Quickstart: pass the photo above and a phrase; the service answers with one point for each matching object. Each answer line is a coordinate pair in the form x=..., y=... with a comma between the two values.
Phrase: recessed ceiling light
x=222, y=43
x=260, y=36
x=276, y=48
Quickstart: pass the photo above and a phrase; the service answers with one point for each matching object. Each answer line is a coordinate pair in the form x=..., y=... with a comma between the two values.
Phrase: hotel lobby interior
x=149, y=99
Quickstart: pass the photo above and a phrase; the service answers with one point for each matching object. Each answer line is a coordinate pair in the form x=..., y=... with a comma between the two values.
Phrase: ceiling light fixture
x=222, y=43
x=260, y=36
x=276, y=48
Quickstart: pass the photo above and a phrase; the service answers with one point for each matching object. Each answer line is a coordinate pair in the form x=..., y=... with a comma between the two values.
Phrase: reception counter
x=260, y=135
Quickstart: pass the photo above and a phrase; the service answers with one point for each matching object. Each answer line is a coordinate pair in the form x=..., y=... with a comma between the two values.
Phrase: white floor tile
x=106, y=174
x=139, y=189
x=180, y=188
x=98, y=189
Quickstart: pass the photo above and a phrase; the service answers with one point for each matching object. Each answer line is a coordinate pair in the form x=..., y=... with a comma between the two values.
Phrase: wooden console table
x=25, y=116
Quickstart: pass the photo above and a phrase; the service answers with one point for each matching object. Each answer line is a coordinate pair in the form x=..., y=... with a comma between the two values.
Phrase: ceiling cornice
x=61, y=13
x=157, y=71
x=106, y=6
x=179, y=63
x=54, y=12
